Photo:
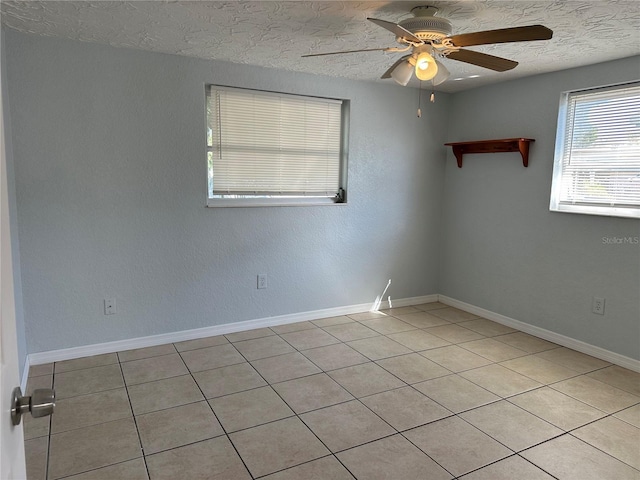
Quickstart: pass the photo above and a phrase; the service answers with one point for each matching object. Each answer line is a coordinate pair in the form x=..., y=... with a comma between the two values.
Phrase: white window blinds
x=598, y=152
x=268, y=144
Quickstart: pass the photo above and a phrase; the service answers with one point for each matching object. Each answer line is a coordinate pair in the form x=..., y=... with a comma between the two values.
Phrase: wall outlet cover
x=597, y=305
x=109, y=306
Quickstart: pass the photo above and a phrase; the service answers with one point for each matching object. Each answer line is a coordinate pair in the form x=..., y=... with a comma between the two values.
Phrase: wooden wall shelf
x=493, y=146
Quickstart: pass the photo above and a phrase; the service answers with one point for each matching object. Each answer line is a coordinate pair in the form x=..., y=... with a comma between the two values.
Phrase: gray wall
x=11, y=191
x=111, y=187
x=503, y=250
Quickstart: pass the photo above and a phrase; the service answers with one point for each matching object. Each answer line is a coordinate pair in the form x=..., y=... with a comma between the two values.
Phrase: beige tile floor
x=424, y=392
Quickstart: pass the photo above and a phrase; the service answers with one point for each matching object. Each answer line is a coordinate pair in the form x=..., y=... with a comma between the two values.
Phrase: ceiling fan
x=428, y=37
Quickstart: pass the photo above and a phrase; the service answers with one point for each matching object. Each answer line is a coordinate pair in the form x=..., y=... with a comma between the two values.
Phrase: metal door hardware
x=41, y=403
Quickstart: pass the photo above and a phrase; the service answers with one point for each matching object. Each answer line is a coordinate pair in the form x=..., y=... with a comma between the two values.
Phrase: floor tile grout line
x=443, y=366
x=47, y=465
x=196, y=442
x=124, y=362
x=576, y=438
x=622, y=410
x=157, y=379
x=575, y=398
x=375, y=334
x=91, y=425
x=535, y=380
x=203, y=394
x=417, y=353
x=528, y=412
x=52, y=434
x=588, y=374
x=84, y=368
x=301, y=352
x=270, y=334
x=462, y=411
x=497, y=338
x=508, y=399
x=269, y=422
x=94, y=393
x=331, y=454
x=538, y=466
x=522, y=392
x=98, y=468
x=503, y=459
x=169, y=408
x=607, y=415
x=224, y=430
x=433, y=459
x=603, y=451
x=135, y=422
x=491, y=391
x=337, y=340
x=524, y=354
x=606, y=383
x=411, y=428
x=461, y=476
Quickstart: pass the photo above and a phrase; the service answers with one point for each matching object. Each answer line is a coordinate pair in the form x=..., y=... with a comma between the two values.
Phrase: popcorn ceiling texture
x=275, y=34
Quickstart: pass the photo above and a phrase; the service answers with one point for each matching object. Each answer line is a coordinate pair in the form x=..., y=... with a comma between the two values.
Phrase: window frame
x=247, y=200
x=596, y=208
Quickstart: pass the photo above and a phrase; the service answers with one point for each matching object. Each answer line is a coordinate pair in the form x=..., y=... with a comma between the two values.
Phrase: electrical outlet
x=109, y=306
x=598, y=305
x=262, y=280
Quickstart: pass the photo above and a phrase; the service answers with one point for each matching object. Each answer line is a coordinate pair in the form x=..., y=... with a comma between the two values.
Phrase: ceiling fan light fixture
x=442, y=75
x=425, y=25
x=426, y=67
x=402, y=73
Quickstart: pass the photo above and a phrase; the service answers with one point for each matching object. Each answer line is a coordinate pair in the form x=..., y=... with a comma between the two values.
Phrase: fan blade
x=346, y=51
x=483, y=60
x=387, y=74
x=504, y=35
x=397, y=30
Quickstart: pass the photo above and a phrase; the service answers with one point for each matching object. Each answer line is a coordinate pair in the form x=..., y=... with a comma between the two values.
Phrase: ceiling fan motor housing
x=426, y=26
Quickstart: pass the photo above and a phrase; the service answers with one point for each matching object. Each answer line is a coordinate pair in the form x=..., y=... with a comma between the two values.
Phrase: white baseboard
x=407, y=302
x=598, y=352
x=153, y=340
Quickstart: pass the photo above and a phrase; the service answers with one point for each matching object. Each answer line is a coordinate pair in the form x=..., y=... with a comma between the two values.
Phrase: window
x=268, y=148
x=597, y=159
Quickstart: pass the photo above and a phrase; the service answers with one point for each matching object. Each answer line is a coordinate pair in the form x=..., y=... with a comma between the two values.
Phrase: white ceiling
x=276, y=33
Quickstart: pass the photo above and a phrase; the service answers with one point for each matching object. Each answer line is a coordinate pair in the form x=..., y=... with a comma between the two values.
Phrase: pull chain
x=419, y=98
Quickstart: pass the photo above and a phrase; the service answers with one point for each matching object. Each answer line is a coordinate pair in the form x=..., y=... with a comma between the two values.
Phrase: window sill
x=270, y=202
x=597, y=210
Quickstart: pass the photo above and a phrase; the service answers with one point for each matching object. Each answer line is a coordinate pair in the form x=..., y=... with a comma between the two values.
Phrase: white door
x=12, y=464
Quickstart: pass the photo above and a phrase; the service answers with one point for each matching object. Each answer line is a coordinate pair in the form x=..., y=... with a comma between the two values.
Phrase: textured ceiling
x=276, y=33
